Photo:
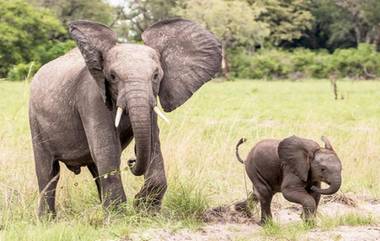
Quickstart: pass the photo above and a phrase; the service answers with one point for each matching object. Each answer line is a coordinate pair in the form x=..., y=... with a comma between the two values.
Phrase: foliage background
x=271, y=38
x=263, y=39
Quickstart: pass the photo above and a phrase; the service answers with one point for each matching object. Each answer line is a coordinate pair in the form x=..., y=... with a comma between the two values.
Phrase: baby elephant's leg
x=265, y=195
x=315, y=195
x=302, y=197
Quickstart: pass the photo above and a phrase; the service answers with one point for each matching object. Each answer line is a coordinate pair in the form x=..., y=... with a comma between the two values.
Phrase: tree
x=346, y=23
x=25, y=31
x=288, y=20
x=332, y=27
x=371, y=14
x=67, y=10
x=234, y=22
x=140, y=14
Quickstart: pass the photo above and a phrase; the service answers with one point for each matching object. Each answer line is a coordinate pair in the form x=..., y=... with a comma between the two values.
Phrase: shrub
x=55, y=49
x=24, y=28
x=43, y=54
x=362, y=63
x=21, y=71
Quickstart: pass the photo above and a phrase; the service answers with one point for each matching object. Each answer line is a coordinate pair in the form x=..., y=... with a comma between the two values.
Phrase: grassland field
x=198, y=149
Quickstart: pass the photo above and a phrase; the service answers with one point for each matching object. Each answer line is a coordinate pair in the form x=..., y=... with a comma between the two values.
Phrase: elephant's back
x=57, y=76
x=55, y=85
x=263, y=160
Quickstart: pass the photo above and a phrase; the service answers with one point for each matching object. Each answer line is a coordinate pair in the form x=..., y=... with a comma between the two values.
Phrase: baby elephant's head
x=309, y=161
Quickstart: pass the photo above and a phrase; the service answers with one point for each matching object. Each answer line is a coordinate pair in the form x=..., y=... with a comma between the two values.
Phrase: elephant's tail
x=241, y=141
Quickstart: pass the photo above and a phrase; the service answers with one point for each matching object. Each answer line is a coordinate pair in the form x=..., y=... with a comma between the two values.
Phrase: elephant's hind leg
x=265, y=204
x=48, y=176
x=47, y=170
x=264, y=194
x=95, y=174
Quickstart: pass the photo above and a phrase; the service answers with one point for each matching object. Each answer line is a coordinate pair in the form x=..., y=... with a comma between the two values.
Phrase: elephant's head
x=178, y=57
x=305, y=157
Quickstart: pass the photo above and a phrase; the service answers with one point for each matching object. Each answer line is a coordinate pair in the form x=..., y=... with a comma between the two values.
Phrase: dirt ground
x=227, y=224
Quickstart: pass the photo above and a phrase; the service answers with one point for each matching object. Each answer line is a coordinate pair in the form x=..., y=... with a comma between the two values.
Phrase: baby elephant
x=294, y=166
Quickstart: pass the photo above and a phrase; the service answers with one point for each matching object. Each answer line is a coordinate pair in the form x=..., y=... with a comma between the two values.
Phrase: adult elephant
x=87, y=106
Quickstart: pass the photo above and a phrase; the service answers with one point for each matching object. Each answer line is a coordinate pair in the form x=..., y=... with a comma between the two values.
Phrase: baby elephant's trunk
x=241, y=141
x=333, y=188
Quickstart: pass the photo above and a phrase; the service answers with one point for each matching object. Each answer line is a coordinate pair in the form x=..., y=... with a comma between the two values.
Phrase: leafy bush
x=362, y=63
x=53, y=50
x=24, y=29
x=23, y=71
x=43, y=55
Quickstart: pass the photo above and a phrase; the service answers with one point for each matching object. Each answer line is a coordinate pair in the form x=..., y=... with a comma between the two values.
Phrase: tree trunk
x=225, y=66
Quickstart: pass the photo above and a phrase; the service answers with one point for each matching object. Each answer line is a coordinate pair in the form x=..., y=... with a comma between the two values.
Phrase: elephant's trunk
x=140, y=115
x=333, y=188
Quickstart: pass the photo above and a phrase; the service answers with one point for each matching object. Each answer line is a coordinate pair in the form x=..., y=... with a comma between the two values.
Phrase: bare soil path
x=231, y=225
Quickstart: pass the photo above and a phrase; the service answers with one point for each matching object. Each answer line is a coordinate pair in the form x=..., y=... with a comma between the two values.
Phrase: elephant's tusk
x=118, y=116
x=161, y=114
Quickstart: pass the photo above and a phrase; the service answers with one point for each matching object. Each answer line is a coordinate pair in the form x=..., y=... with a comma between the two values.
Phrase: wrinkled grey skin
x=295, y=167
x=74, y=98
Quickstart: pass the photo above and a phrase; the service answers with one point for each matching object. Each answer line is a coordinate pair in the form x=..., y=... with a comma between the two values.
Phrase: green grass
x=349, y=219
x=291, y=231
x=198, y=148
x=294, y=231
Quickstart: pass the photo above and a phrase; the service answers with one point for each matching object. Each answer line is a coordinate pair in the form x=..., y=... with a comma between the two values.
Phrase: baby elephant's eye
x=113, y=77
x=323, y=169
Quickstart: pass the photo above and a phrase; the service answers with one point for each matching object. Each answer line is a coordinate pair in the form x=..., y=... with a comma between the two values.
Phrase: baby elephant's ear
x=190, y=56
x=327, y=143
x=293, y=153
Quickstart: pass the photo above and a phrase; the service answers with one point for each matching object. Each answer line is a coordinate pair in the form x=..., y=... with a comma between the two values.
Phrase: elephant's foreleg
x=107, y=162
x=112, y=191
x=155, y=184
x=105, y=151
x=316, y=195
x=300, y=195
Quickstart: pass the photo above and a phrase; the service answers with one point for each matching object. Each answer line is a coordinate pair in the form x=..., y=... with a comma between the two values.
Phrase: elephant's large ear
x=190, y=56
x=297, y=154
x=94, y=40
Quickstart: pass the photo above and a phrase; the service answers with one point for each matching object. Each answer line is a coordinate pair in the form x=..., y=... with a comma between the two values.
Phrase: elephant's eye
x=113, y=77
x=155, y=76
x=323, y=169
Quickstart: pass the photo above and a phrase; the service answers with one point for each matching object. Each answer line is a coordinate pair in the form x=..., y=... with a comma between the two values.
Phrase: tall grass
x=198, y=148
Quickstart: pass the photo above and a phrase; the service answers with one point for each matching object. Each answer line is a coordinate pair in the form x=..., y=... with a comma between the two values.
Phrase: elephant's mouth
x=120, y=111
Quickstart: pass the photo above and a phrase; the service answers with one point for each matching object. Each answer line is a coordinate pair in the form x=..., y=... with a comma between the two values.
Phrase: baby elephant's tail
x=241, y=141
